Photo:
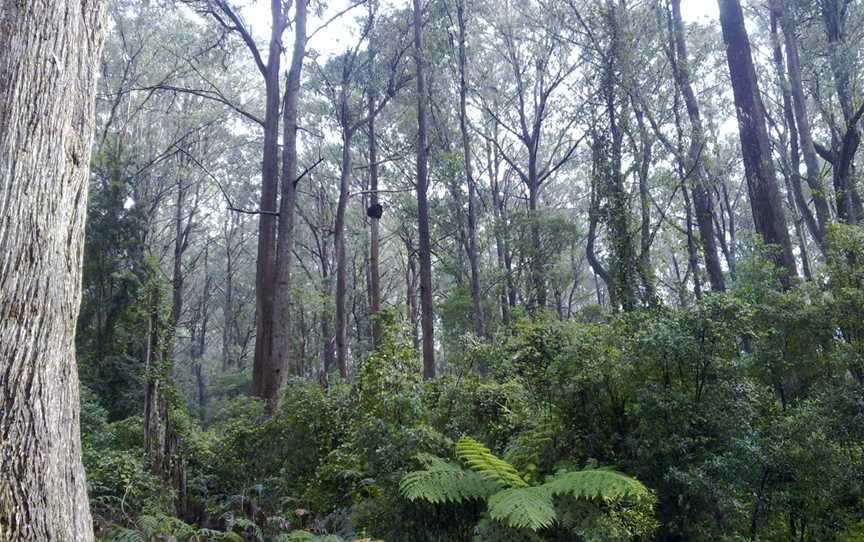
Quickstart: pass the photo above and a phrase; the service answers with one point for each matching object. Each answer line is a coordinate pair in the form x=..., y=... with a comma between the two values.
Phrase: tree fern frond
x=604, y=484
x=125, y=535
x=482, y=461
x=305, y=536
x=523, y=507
x=442, y=482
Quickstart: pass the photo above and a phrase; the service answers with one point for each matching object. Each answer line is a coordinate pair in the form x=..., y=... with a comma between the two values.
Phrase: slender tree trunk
x=425, y=244
x=265, y=289
x=341, y=287
x=704, y=207
x=473, y=256
x=49, y=64
x=817, y=191
x=276, y=373
x=765, y=198
x=375, y=227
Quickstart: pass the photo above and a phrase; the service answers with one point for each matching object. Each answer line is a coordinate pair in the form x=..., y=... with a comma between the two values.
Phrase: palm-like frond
x=442, y=482
x=481, y=460
x=603, y=484
x=523, y=507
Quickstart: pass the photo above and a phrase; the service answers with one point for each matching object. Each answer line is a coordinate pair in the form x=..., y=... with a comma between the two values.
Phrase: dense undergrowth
x=742, y=416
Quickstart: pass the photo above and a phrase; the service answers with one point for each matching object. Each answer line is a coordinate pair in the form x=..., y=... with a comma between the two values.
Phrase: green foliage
x=510, y=500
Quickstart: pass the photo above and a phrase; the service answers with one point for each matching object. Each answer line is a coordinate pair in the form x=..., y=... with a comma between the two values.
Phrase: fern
x=523, y=507
x=605, y=484
x=510, y=499
x=121, y=534
x=482, y=461
x=442, y=482
x=306, y=536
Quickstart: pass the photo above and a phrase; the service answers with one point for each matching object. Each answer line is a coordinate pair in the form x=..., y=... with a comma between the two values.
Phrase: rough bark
x=49, y=63
x=341, y=278
x=424, y=241
x=765, y=199
x=374, y=226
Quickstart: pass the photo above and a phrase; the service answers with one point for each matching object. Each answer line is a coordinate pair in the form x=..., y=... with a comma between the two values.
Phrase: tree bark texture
x=424, y=241
x=765, y=199
x=49, y=65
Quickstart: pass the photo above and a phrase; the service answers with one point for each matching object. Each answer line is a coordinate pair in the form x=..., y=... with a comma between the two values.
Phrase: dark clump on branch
x=376, y=210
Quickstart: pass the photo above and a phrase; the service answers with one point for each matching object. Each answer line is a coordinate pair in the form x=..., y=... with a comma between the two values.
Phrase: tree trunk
x=262, y=372
x=704, y=207
x=341, y=287
x=49, y=64
x=425, y=244
x=276, y=373
x=817, y=192
x=473, y=256
x=375, y=227
x=765, y=199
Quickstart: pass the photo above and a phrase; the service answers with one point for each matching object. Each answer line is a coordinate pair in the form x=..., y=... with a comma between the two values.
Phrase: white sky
x=336, y=36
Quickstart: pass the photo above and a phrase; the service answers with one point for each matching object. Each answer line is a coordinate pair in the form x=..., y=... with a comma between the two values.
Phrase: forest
x=431, y=271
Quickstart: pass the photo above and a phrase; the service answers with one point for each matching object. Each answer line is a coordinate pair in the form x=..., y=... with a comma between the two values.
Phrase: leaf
x=482, y=461
x=443, y=482
x=523, y=507
x=604, y=484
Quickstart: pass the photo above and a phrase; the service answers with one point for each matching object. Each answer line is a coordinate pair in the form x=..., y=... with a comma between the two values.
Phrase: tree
x=49, y=64
x=427, y=315
x=765, y=199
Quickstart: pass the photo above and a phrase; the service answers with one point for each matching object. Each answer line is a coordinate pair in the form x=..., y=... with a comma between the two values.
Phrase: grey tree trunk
x=424, y=242
x=49, y=64
x=276, y=372
x=473, y=256
x=262, y=370
x=765, y=198
x=704, y=206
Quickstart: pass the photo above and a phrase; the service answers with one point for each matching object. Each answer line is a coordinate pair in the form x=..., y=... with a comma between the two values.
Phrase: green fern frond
x=211, y=535
x=481, y=460
x=306, y=536
x=442, y=482
x=603, y=484
x=523, y=507
x=124, y=535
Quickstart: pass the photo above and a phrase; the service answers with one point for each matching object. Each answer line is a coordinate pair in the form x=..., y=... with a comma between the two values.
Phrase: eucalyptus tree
x=765, y=197
x=538, y=67
x=49, y=64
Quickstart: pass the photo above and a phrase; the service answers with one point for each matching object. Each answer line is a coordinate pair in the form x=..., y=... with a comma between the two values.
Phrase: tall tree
x=49, y=64
x=427, y=322
x=703, y=203
x=473, y=256
x=765, y=199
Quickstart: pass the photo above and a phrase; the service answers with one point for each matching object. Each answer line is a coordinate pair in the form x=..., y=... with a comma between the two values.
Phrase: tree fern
x=606, y=484
x=442, y=482
x=529, y=507
x=481, y=460
x=510, y=499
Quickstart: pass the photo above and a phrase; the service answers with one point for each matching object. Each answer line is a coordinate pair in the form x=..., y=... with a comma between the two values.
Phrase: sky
x=335, y=36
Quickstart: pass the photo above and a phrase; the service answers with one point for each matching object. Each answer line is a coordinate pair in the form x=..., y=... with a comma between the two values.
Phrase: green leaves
x=524, y=507
x=443, y=482
x=482, y=461
x=603, y=484
x=510, y=499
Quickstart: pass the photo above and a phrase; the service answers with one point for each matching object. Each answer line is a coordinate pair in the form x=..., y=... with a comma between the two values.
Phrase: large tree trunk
x=49, y=63
x=765, y=199
x=704, y=207
x=473, y=256
x=424, y=243
x=262, y=371
x=276, y=373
